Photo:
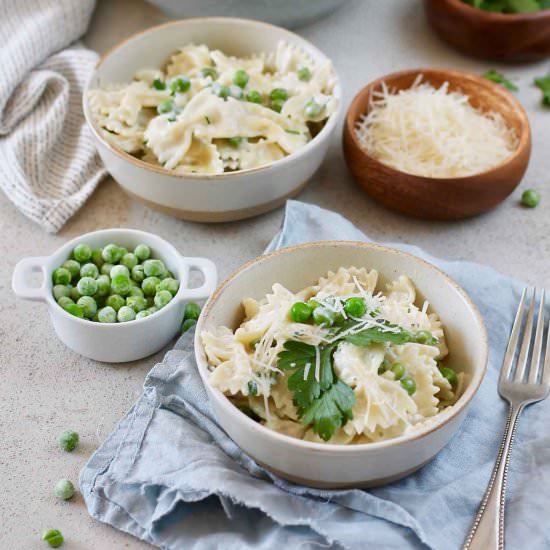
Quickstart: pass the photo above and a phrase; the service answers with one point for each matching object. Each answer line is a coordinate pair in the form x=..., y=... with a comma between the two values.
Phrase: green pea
x=180, y=85
x=323, y=316
x=169, y=284
x=82, y=253
x=149, y=285
x=122, y=250
x=103, y=285
x=142, y=314
x=192, y=311
x=355, y=307
x=75, y=295
x=125, y=314
x=88, y=305
x=120, y=284
x=63, y=301
x=304, y=74
x=187, y=324
x=398, y=370
x=60, y=291
x=150, y=300
x=165, y=107
x=89, y=270
x=61, y=276
x=152, y=309
x=312, y=109
x=97, y=258
x=235, y=141
x=313, y=303
x=279, y=94
x=115, y=302
x=408, y=384
x=64, y=489
x=276, y=105
x=154, y=268
x=450, y=375
x=211, y=72
x=220, y=90
x=424, y=337
x=119, y=270
x=254, y=96
x=105, y=269
x=106, y=314
x=300, y=312
x=87, y=286
x=530, y=198
x=68, y=440
x=129, y=260
x=53, y=537
x=158, y=84
x=142, y=252
x=162, y=298
x=73, y=266
x=135, y=291
x=111, y=253
x=240, y=78
x=252, y=388
x=75, y=310
x=138, y=273
x=137, y=303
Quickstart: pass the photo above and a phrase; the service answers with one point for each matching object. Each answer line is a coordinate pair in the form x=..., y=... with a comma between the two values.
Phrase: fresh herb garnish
x=325, y=403
x=252, y=388
x=499, y=78
x=289, y=131
x=207, y=119
x=376, y=335
x=543, y=82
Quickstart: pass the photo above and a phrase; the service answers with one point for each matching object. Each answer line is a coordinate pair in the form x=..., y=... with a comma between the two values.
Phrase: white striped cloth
x=48, y=163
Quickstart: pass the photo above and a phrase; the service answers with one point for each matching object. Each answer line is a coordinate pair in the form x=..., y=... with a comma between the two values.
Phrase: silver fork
x=520, y=387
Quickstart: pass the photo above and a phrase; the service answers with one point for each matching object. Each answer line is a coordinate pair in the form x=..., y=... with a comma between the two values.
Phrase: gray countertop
x=47, y=388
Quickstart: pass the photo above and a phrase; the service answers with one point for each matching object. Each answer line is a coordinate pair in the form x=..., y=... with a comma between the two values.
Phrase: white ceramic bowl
x=330, y=465
x=199, y=197
x=288, y=13
x=116, y=342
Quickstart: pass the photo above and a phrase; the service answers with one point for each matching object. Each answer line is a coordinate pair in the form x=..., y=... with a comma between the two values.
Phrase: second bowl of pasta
x=213, y=119
x=340, y=363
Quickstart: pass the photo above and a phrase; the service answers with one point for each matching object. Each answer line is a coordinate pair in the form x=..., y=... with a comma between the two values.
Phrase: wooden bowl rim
x=524, y=138
x=494, y=17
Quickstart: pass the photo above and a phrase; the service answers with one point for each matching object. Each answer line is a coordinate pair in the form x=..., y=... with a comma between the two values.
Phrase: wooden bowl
x=489, y=35
x=440, y=198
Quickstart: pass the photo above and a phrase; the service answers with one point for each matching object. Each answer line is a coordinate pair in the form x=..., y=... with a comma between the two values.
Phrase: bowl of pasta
x=213, y=119
x=340, y=364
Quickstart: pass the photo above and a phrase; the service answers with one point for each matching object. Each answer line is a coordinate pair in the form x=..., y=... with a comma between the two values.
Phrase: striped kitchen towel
x=48, y=163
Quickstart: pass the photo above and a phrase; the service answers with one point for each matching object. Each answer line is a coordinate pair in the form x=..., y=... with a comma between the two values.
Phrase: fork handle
x=487, y=532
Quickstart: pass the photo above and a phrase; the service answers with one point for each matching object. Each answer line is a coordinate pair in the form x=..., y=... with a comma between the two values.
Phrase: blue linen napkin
x=169, y=475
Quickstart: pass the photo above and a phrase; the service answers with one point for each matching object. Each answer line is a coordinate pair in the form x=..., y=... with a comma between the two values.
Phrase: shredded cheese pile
x=434, y=132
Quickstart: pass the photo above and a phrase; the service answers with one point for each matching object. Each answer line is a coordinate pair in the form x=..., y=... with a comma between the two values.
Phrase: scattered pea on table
x=53, y=537
x=68, y=440
x=530, y=198
x=64, y=489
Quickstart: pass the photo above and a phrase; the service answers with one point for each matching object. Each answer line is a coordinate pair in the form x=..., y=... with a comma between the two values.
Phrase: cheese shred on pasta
x=433, y=132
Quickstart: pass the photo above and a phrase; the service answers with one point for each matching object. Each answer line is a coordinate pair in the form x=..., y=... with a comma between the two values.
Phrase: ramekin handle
x=19, y=279
x=209, y=273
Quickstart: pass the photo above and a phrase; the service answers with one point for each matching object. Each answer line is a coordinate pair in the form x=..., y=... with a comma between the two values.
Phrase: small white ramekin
x=330, y=465
x=116, y=342
x=206, y=197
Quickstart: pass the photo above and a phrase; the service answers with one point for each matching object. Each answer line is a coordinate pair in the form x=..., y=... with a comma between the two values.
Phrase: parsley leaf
x=331, y=411
x=543, y=82
x=499, y=78
x=509, y=6
x=375, y=335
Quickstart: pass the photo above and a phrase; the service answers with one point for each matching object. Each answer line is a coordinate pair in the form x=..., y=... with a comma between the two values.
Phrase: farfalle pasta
x=336, y=362
x=207, y=113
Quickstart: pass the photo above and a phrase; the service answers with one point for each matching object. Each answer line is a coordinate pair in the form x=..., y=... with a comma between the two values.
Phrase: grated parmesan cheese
x=433, y=132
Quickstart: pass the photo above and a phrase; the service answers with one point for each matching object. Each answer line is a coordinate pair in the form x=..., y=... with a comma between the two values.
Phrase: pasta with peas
x=207, y=112
x=336, y=362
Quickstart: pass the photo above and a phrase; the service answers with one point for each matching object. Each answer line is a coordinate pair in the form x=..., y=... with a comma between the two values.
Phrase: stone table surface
x=46, y=388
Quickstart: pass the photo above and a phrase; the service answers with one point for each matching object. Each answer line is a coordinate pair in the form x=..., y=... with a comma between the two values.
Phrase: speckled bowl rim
x=442, y=419
x=524, y=140
x=327, y=129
